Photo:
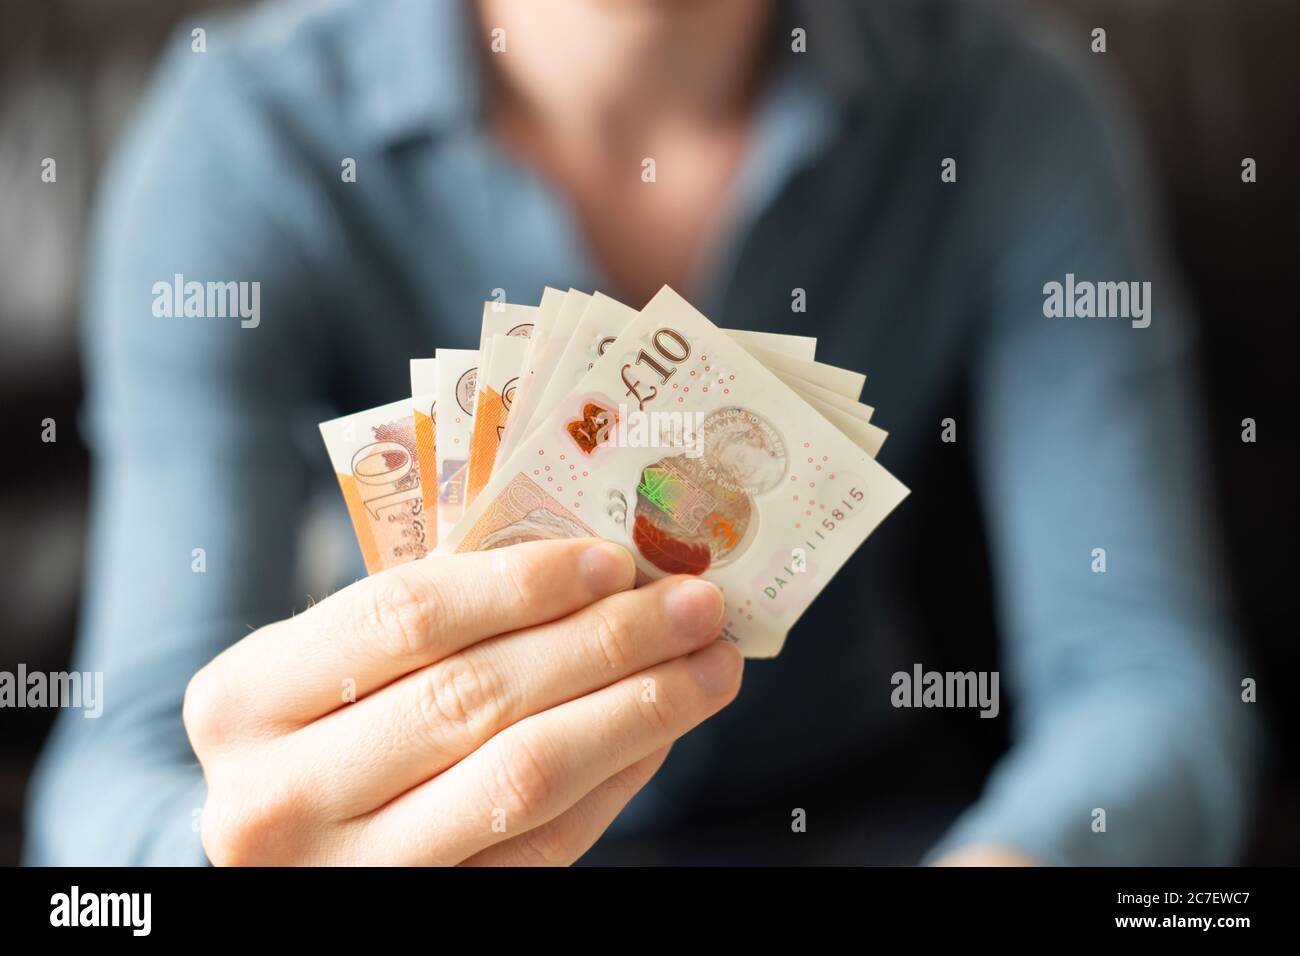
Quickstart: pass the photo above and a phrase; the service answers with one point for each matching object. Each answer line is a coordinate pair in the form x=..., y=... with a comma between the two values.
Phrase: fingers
x=396, y=621
x=533, y=771
x=420, y=725
x=566, y=838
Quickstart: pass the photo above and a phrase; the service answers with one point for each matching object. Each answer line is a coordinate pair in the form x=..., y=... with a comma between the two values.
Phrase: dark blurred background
x=1211, y=81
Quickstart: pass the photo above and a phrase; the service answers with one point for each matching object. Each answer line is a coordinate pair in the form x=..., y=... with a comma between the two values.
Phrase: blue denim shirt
x=1122, y=687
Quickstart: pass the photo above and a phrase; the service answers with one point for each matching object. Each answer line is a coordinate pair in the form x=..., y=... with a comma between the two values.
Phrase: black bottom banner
x=334, y=906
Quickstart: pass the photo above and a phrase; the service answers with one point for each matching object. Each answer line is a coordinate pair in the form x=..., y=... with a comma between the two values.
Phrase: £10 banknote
x=729, y=454
x=377, y=465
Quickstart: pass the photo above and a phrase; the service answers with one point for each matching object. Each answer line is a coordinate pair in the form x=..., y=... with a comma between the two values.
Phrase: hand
x=508, y=704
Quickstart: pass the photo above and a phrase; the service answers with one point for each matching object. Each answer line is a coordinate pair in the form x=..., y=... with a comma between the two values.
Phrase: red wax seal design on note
x=666, y=552
x=587, y=431
x=699, y=512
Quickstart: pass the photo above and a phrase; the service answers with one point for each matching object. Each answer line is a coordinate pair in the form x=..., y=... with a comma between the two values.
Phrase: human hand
x=508, y=705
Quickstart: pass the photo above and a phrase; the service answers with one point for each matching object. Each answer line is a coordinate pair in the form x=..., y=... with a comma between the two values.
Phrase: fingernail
x=607, y=567
x=717, y=666
x=694, y=608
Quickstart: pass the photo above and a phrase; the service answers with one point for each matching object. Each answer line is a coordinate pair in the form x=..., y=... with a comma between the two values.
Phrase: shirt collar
x=413, y=70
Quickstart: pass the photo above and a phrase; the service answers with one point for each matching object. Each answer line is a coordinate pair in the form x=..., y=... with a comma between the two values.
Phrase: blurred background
x=1205, y=76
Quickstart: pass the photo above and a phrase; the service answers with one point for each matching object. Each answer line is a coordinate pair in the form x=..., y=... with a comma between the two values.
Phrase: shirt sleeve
x=197, y=476
x=1124, y=683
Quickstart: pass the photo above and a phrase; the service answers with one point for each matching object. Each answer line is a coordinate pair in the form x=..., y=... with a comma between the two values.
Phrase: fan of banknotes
x=730, y=454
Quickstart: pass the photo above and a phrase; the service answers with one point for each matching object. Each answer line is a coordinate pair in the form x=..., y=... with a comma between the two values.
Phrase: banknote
x=424, y=407
x=812, y=390
x=541, y=365
x=455, y=390
x=803, y=347
x=543, y=328
x=605, y=317
x=685, y=448
x=484, y=357
x=864, y=434
x=842, y=381
x=498, y=378
x=601, y=320
x=506, y=318
x=375, y=460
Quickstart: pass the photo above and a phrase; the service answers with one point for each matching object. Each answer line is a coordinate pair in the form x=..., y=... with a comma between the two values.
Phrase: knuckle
x=227, y=840
x=204, y=707
x=548, y=845
x=458, y=695
x=733, y=689
x=613, y=638
x=241, y=831
x=402, y=615
x=520, y=570
x=660, y=710
x=519, y=782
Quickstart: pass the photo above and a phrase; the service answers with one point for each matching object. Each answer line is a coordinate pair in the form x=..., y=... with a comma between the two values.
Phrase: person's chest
x=842, y=250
